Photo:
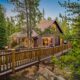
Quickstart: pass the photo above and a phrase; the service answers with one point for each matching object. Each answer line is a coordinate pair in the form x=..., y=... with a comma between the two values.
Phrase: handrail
x=12, y=60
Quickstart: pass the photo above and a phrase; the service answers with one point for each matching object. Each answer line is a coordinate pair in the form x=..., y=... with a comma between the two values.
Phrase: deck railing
x=11, y=60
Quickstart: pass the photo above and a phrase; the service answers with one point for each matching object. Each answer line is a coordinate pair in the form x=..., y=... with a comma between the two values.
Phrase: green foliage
x=54, y=60
x=72, y=59
x=73, y=11
x=28, y=11
x=49, y=18
x=10, y=27
x=47, y=31
x=38, y=31
x=65, y=28
x=3, y=39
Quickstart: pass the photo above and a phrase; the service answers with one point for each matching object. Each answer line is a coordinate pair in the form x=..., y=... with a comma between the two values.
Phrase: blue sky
x=51, y=7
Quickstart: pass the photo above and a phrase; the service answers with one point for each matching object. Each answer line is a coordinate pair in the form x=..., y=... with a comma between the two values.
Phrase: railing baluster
x=13, y=60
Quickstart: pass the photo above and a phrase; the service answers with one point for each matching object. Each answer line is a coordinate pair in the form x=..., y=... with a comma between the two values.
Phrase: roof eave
x=58, y=27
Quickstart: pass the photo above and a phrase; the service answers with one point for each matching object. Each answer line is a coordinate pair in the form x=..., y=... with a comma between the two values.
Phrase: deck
x=12, y=61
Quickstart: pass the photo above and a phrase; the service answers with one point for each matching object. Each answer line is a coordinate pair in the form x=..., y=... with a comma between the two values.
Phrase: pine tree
x=30, y=11
x=65, y=27
x=3, y=38
x=73, y=13
x=73, y=10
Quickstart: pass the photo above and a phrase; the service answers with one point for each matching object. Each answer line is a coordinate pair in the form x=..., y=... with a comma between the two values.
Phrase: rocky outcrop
x=43, y=72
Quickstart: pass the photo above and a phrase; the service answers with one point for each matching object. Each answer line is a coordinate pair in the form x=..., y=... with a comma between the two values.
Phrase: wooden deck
x=11, y=61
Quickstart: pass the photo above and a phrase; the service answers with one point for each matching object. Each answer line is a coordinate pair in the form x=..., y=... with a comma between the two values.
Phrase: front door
x=35, y=39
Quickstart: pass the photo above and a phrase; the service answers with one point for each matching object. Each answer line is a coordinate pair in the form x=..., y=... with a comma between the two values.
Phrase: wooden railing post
x=53, y=51
x=62, y=48
x=13, y=61
x=39, y=54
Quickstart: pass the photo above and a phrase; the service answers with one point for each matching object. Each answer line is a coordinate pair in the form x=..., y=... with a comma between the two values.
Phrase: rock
x=60, y=78
x=46, y=73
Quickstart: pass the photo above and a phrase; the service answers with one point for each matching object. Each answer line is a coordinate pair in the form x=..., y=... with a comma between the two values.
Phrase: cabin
x=49, y=37
x=20, y=39
x=51, y=34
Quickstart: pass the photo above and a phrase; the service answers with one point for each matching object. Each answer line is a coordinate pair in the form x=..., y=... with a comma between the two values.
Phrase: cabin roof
x=23, y=34
x=44, y=24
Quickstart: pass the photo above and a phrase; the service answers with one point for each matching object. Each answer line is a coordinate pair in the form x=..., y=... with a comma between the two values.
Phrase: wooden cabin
x=20, y=39
x=51, y=32
x=50, y=35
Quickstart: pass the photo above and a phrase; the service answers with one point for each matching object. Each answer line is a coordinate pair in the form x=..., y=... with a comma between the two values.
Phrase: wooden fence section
x=11, y=61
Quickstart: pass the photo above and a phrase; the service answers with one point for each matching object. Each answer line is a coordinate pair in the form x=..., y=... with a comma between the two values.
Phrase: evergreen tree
x=73, y=11
x=65, y=27
x=2, y=28
x=30, y=11
x=10, y=26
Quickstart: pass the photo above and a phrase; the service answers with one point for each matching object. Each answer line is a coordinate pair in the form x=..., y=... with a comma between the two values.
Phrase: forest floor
x=43, y=72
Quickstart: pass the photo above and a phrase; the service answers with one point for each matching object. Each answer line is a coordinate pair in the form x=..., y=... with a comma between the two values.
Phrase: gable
x=45, y=24
x=56, y=28
x=57, y=25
